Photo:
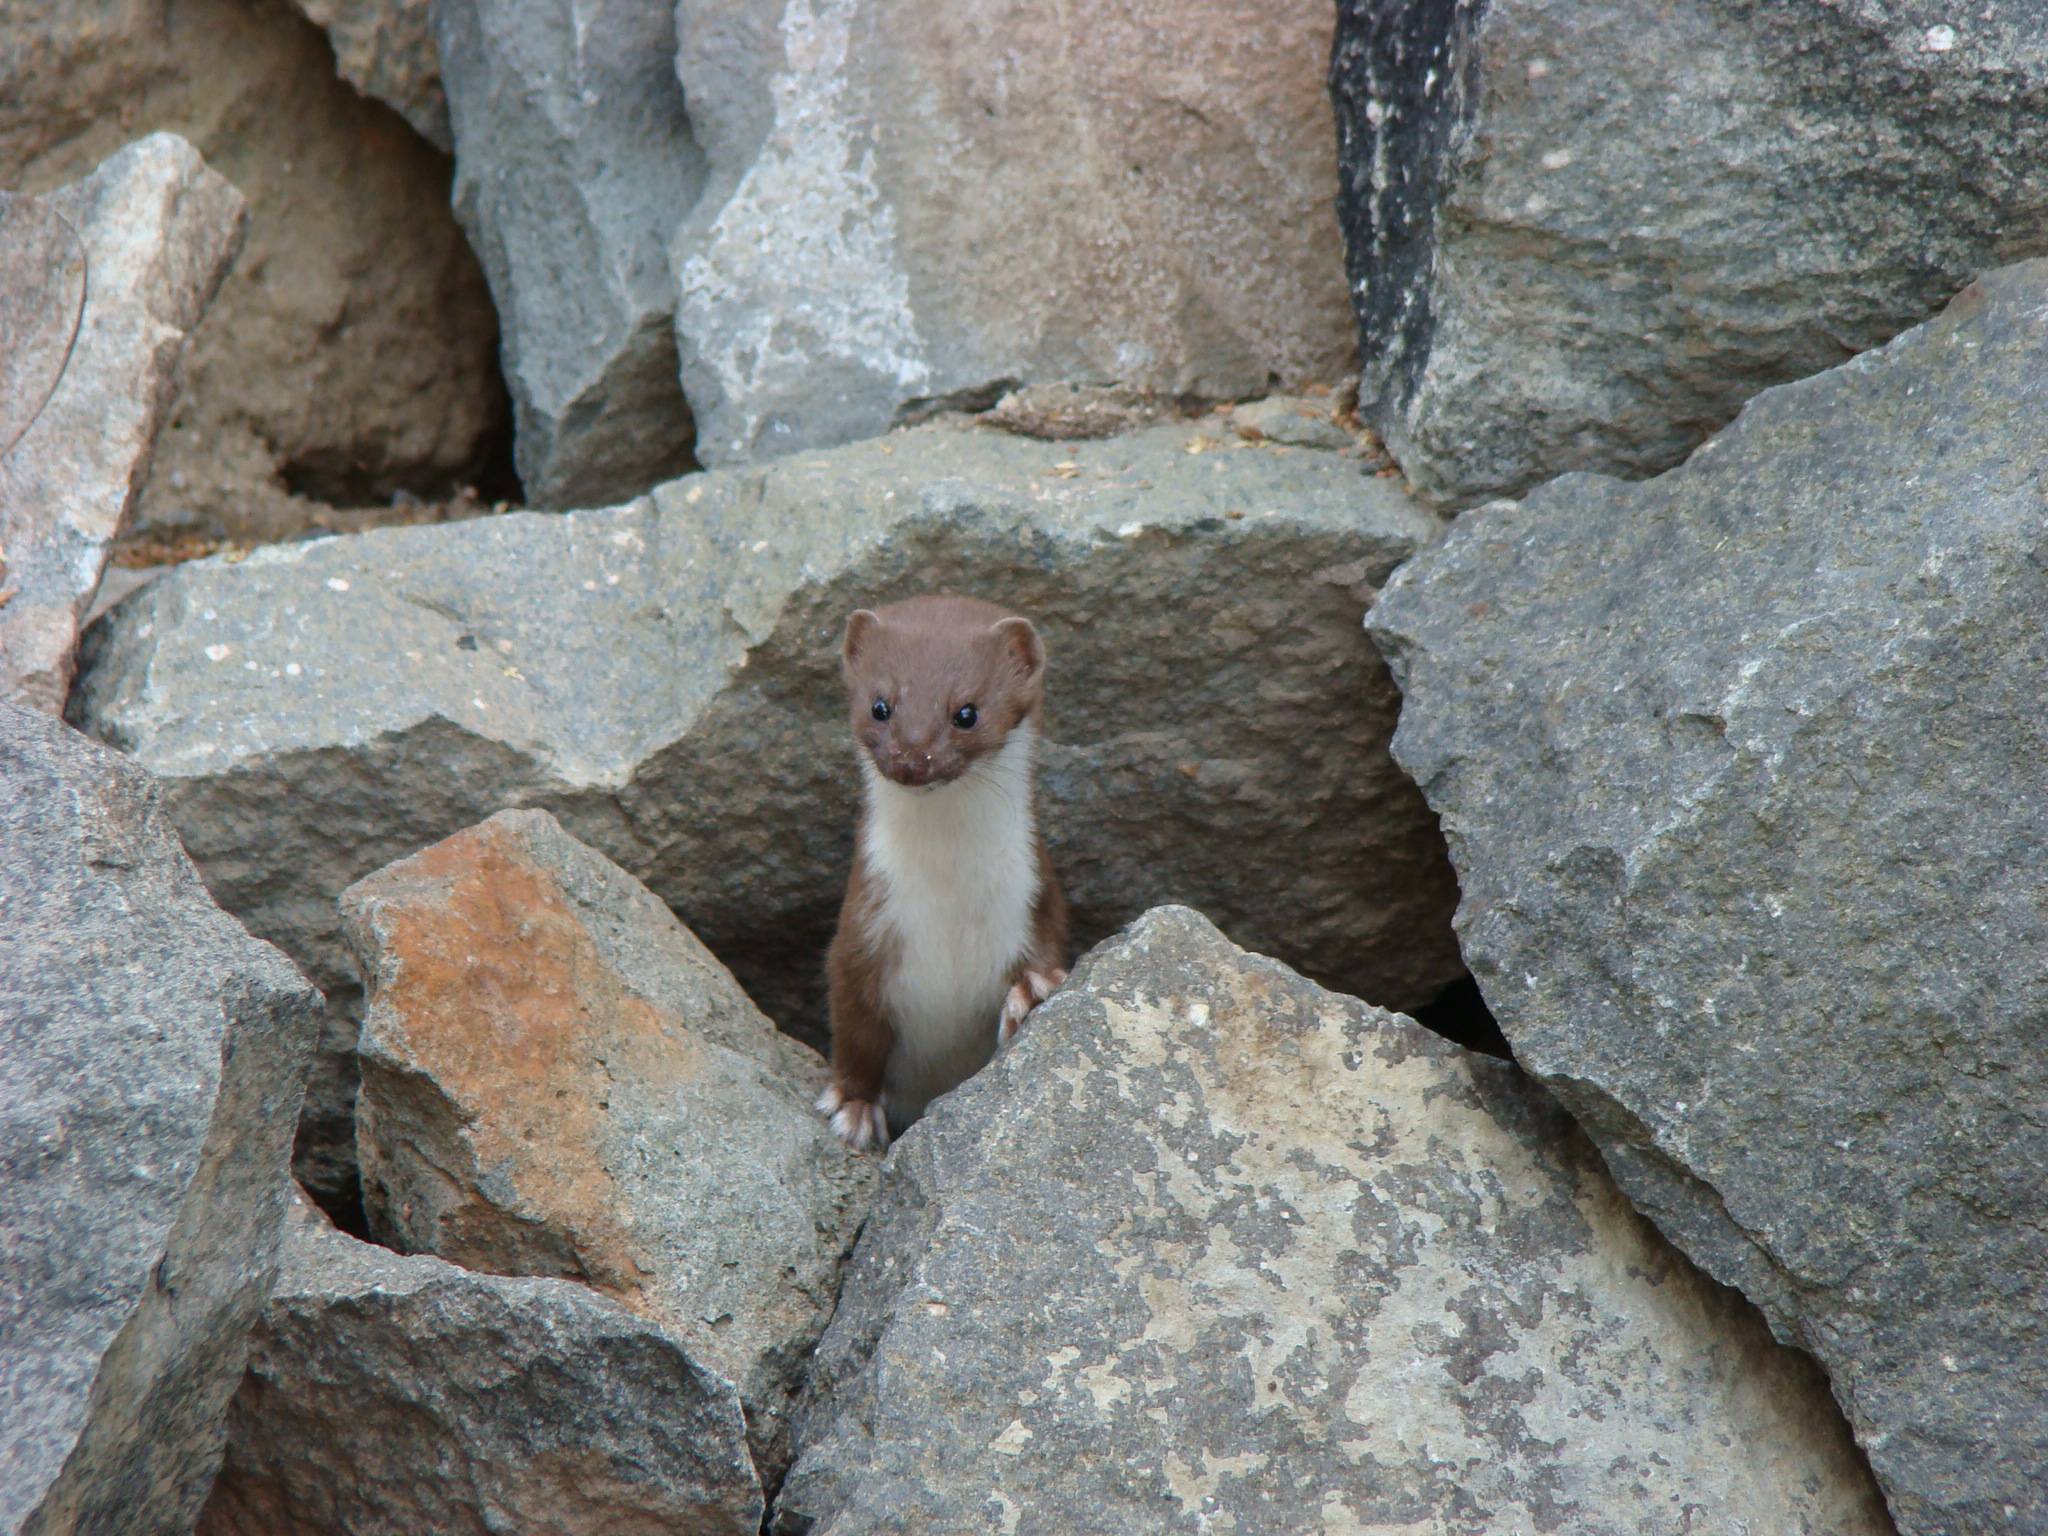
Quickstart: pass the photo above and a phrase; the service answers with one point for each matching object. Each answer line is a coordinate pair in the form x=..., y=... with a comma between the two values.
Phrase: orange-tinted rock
x=558, y=1079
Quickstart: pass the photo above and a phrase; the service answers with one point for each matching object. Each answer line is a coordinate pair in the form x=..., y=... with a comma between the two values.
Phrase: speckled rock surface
x=151, y=1058
x=99, y=285
x=574, y=164
x=911, y=203
x=664, y=676
x=1560, y=263
x=397, y=1394
x=1742, y=769
x=385, y=49
x=558, y=1079
x=1212, y=1249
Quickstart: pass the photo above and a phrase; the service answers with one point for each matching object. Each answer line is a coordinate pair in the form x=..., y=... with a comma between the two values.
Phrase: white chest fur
x=956, y=871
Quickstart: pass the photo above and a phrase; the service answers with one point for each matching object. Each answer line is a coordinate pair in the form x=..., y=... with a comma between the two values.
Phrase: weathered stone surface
x=1741, y=768
x=558, y=1079
x=99, y=284
x=1291, y=419
x=909, y=204
x=1212, y=1249
x=151, y=1056
x=385, y=49
x=400, y=1394
x=664, y=676
x=1563, y=263
x=351, y=353
x=574, y=165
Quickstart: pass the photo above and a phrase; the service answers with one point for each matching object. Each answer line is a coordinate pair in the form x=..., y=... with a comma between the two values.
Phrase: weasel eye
x=965, y=716
x=881, y=709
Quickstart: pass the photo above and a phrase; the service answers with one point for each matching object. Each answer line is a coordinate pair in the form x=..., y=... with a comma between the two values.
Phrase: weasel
x=953, y=927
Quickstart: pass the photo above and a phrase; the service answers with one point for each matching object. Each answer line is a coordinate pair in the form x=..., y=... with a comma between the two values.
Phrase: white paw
x=1031, y=989
x=859, y=1123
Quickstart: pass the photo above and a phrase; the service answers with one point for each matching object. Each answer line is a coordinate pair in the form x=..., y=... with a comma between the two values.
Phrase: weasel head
x=936, y=684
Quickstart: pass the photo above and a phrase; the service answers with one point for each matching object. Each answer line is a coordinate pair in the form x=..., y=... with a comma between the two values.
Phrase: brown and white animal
x=953, y=927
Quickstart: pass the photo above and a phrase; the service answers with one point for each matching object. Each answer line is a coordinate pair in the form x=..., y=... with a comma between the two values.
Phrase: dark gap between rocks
x=1459, y=1013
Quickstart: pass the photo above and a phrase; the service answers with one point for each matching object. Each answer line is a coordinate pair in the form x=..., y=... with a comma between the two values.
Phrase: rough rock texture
x=1741, y=768
x=574, y=165
x=385, y=49
x=664, y=676
x=1560, y=263
x=558, y=1079
x=151, y=1057
x=407, y=1395
x=351, y=353
x=1211, y=1249
x=99, y=284
x=1291, y=419
x=909, y=204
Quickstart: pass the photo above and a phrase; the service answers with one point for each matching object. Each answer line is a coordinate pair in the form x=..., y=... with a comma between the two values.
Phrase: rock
x=558, y=1079
x=664, y=677
x=906, y=208
x=1212, y=1249
x=1738, y=768
x=574, y=163
x=351, y=354
x=1560, y=264
x=537, y=1405
x=99, y=284
x=1065, y=412
x=385, y=49
x=151, y=1057
x=1291, y=420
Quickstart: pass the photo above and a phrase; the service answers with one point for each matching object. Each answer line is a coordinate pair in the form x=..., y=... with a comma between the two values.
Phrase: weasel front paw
x=859, y=1123
x=1031, y=989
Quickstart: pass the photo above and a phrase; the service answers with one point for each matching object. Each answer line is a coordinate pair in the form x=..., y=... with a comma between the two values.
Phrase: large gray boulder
x=99, y=285
x=1742, y=770
x=558, y=1079
x=151, y=1061
x=1580, y=236
x=910, y=204
x=1212, y=1249
x=574, y=164
x=664, y=677
x=397, y=1394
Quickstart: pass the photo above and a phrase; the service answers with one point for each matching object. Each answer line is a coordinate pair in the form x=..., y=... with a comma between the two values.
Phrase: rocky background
x=1560, y=1043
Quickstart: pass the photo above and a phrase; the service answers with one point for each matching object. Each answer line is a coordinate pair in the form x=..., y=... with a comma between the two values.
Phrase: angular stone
x=387, y=1393
x=1563, y=264
x=558, y=1079
x=1212, y=1249
x=352, y=352
x=99, y=284
x=385, y=49
x=1740, y=770
x=151, y=1059
x=909, y=205
x=1290, y=419
x=573, y=166
x=664, y=677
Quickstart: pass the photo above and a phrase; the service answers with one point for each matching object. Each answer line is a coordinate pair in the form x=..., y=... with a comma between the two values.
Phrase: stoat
x=953, y=928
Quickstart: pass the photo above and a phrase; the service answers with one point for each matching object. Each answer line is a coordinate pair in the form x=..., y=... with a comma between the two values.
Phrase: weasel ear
x=1020, y=640
x=860, y=633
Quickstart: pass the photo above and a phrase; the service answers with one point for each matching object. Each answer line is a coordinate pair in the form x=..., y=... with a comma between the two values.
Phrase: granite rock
x=1741, y=771
x=1212, y=1249
x=151, y=1060
x=99, y=285
x=574, y=163
x=909, y=205
x=558, y=1079
x=1580, y=236
x=385, y=49
x=664, y=677
x=400, y=1394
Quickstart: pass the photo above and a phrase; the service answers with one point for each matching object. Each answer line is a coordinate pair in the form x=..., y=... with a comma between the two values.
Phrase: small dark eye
x=881, y=709
x=965, y=716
